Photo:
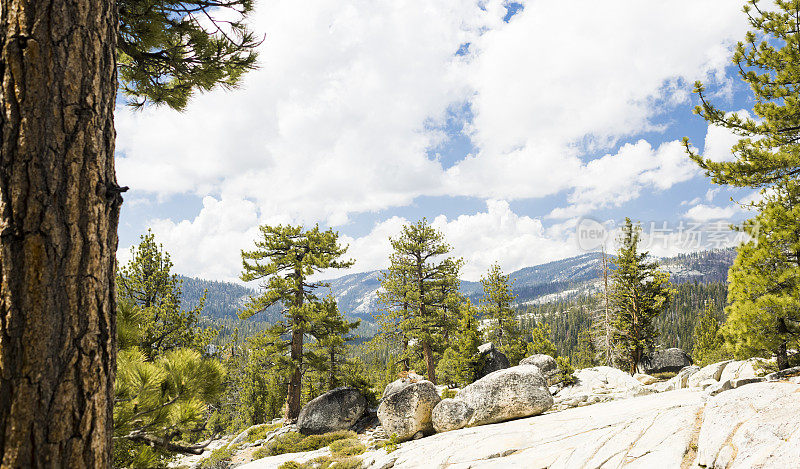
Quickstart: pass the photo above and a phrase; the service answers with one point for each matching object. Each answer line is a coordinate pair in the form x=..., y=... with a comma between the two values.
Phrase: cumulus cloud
x=351, y=97
x=704, y=212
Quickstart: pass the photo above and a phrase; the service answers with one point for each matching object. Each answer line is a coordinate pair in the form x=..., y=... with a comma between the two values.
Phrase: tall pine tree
x=147, y=283
x=286, y=257
x=504, y=328
x=423, y=283
x=639, y=293
x=763, y=288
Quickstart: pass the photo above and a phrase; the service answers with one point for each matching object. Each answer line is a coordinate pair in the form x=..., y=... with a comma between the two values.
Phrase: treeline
x=571, y=317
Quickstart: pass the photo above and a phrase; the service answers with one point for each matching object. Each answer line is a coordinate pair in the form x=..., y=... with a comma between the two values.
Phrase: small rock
x=738, y=382
x=681, y=380
x=546, y=364
x=784, y=374
x=719, y=387
x=491, y=360
x=644, y=379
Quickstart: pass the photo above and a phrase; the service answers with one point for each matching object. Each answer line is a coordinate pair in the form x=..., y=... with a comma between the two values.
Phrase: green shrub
x=449, y=393
x=292, y=465
x=220, y=458
x=293, y=442
x=566, y=371
x=348, y=447
x=392, y=444
x=260, y=432
x=664, y=375
x=324, y=462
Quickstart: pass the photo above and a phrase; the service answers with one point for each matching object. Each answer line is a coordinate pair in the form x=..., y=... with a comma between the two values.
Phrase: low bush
x=293, y=442
x=347, y=447
x=220, y=458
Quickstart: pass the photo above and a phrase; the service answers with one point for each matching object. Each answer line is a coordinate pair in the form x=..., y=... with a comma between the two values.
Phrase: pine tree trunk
x=781, y=355
x=59, y=208
x=293, y=394
x=426, y=349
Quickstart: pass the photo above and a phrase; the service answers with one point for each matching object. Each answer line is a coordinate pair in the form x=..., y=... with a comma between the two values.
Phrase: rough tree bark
x=59, y=207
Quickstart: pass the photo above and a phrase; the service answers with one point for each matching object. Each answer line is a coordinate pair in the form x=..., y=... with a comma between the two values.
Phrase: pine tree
x=331, y=330
x=708, y=341
x=541, y=343
x=287, y=256
x=764, y=288
x=459, y=361
x=160, y=402
x=639, y=293
x=419, y=289
x=768, y=61
x=504, y=328
x=585, y=355
x=146, y=282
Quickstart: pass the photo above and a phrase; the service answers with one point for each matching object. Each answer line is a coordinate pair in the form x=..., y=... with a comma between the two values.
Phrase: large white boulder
x=751, y=426
x=337, y=409
x=519, y=391
x=750, y=368
x=599, y=384
x=681, y=380
x=408, y=411
x=665, y=361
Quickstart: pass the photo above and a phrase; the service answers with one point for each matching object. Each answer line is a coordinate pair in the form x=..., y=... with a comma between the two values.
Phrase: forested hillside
x=553, y=283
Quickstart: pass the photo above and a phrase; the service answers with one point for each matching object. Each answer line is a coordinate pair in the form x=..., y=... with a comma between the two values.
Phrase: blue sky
x=504, y=124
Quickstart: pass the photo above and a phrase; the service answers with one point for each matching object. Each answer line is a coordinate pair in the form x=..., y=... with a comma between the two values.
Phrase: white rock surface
x=598, y=384
x=752, y=426
x=712, y=371
x=645, y=379
x=749, y=368
x=649, y=431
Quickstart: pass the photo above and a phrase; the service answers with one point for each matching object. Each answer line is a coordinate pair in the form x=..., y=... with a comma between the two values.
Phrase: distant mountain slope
x=575, y=276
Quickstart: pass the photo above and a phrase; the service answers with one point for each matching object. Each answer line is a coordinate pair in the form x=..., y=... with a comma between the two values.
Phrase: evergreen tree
x=287, y=256
x=146, y=282
x=708, y=342
x=459, y=361
x=540, y=343
x=504, y=328
x=768, y=60
x=424, y=286
x=330, y=329
x=764, y=289
x=639, y=293
x=160, y=402
x=585, y=355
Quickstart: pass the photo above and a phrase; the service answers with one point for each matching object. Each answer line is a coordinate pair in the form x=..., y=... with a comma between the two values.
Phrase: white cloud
x=483, y=238
x=615, y=179
x=704, y=212
x=350, y=95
